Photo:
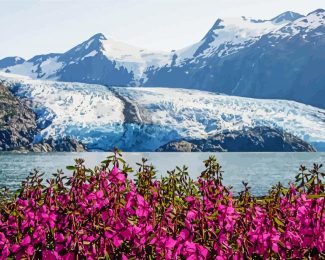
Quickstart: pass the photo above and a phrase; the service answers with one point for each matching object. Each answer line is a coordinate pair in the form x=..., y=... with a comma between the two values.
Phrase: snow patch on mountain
x=50, y=67
x=46, y=68
x=286, y=17
x=302, y=25
x=25, y=69
x=132, y=58
x=124, y=56
x=90, y=54
x=232, y=34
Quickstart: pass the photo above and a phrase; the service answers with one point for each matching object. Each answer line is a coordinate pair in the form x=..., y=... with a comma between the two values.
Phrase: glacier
x=97, y=115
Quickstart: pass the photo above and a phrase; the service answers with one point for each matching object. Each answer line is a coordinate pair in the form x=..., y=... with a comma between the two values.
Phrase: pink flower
x=15, y=248
x=143, y=208
x=117, y=241
x=195, y=251
x=69, y=256
x=30, y=250
x=116, y=176
x=184, y=234
x=91, y=196
x=50, y=255
x=5, y=252
x=59, y=237
x=126, y=233
x=26, y=240
x=170, y=243
x=99, y=194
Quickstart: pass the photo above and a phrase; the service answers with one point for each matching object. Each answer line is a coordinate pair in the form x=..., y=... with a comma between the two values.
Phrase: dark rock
x=65, y=144
x=258, y=139
x=18, y=127
x=179, y=146
x=17, y=122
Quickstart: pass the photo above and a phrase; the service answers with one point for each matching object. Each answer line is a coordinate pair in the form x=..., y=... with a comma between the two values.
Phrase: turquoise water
x=260, y=170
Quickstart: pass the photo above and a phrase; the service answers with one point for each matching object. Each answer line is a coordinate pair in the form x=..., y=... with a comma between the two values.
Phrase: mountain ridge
x=98, y=38
x=237, y=56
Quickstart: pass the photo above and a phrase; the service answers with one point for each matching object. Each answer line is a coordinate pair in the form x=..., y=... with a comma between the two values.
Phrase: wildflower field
x=109, y=213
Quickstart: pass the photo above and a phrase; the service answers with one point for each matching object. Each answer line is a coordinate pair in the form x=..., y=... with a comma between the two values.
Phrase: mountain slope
x=129, y=63
x=286, y=16
x=17, y=121
x=144, y=119
x=229, y=35
x=10, y=61
x=279, y=58
x=97, y=60
x=284, y=63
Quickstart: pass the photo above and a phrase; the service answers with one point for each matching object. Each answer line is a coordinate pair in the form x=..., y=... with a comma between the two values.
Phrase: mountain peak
x=11, y=61
x=217, y=25
x=18, y=59
x=98, y=36
x=286, y=16
x=95, y=42
x=317, y=11
x=92, y=45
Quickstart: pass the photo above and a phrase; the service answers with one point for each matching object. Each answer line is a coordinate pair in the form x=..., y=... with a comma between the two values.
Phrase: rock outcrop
x=18, y=126
x=258, y=139
x=65, y=144
x=17, y=122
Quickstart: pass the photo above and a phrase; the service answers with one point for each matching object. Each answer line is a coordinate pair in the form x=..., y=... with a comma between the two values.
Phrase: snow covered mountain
x=97, y=60
x=228, y=36
x=276, y=60
x=10, y=61
x=128, y=63
x=279, y=58
x=144, y=119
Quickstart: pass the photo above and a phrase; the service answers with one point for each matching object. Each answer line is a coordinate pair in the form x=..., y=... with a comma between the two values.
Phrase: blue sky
x=30, y=27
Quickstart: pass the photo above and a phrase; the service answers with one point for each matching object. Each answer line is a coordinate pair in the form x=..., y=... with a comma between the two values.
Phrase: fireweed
x=101, y=214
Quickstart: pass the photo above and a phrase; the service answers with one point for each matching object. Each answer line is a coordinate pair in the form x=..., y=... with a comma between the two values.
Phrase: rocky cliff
x=18, y=126
x=258, y=139
x=17, y=122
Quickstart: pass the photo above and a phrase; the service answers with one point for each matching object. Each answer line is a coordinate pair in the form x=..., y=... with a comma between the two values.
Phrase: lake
x=260, y=170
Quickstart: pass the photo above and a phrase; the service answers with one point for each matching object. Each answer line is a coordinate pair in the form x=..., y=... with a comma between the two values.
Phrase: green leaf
x=278, y=221
x=105, y=161
x=121, y=160
x=316, y=196
x=311, y=181
x=281, y=230
x=71, y=168
x=89, y=170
